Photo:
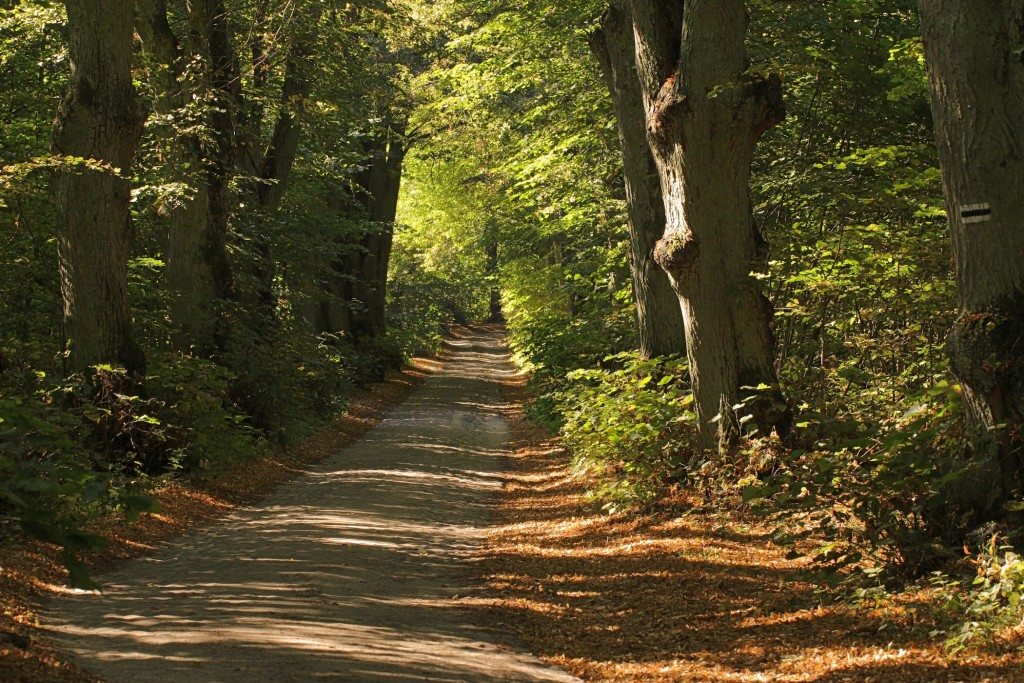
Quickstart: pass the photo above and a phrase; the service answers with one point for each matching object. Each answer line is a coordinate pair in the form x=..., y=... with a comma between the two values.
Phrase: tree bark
x=271, y=167
x=100, y=120
x=705, y=113
x=277, y=162
x=331, y=310
x=377, y=190
x=384, y=213
x=496, y=314
x=198, y=271
x=658, y=313
x=973, y=50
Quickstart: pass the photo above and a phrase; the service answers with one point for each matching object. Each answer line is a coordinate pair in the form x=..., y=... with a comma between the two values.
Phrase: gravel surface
x=349, y=572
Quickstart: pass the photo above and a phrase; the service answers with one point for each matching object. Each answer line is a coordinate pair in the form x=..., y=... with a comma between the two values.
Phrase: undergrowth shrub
x=49, y=484
x=901, y=497
x=886, y=503
x=992, y=601
x=421, y=305
x=370, y=359
x=287, y=381
x=328, y=368
x=35, y=484
x=551, y=346
x=559, y=321
x=630, y=424
x=209, y=431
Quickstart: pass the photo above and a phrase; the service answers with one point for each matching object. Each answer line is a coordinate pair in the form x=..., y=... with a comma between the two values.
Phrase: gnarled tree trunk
x=101, y=121
x=705, y=113
x=659, y=316
x=973, y=53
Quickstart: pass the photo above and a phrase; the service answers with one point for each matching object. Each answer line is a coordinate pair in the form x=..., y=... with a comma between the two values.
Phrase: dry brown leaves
x=29, y=570
x=671, y=596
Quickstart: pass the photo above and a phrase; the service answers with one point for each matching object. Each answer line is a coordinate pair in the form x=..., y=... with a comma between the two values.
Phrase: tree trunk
x=973, y=53
x=331, y=314
x=331, y=311
x=496, y=314
x=705, y=114
x=198, y=271
x=101, y=121
x=377, y=190
x=272, y=168
x=277, y=162
x=658, y=313
x=384, y=213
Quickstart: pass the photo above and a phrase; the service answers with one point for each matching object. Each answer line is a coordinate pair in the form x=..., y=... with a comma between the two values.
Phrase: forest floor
x=685, y=594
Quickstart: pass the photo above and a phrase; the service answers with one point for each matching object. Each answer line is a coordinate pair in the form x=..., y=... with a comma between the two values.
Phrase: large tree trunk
x=705, y=114
x=271, y=167
x=101, y=121
x=385, y=210
x=659, y=316
x=330, y=310
x=204, y=268
x=377, y=190
x=331, y=313
x=973, y=52
x=211, y=35
x=198, y=271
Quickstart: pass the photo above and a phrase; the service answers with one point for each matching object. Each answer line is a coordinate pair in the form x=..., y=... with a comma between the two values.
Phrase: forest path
x=347, y=572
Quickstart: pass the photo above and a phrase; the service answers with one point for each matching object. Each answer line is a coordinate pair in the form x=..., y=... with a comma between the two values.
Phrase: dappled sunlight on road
x=348, y=572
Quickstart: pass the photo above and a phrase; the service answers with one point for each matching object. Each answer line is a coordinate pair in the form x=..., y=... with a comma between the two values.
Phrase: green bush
x=901, y=496
x=49, y=485
x=554, y=343
x=421, y=305
x=207, y=429
x=287, y=381
x=629, y=424
x=994, y=600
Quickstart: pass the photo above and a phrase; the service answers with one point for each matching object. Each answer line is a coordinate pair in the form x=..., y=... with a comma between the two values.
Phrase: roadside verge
x=31, y=571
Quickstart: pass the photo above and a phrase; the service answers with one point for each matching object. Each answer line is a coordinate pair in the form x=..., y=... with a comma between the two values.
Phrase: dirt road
x=345, y=573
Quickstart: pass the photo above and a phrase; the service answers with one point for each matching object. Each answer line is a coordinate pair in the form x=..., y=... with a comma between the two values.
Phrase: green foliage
x=207, y=429
x=49, y=487
x=994, y=599
x=899, y=494
x=421, y=305
x=74, y=445
x=512, y=188
x=520, y=152
x=35, y=488
x=287, y=380
x=630, y=424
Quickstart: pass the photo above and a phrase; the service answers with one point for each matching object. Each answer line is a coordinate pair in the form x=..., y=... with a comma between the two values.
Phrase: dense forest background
x=317, y=189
